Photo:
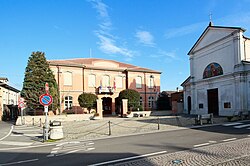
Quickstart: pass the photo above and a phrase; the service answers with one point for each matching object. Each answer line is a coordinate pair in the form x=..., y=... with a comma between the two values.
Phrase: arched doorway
x=107, y=105
x=189, y=104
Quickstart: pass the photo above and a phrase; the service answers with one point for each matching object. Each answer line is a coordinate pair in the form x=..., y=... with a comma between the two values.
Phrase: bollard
x=109, y=128
x=40, y=122
x=158, y=123
x=33, y=123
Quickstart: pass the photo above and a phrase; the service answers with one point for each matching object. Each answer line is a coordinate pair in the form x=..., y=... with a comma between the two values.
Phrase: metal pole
x=158, y=123
x=22, y=116
x=109, y=128
x=46, y=122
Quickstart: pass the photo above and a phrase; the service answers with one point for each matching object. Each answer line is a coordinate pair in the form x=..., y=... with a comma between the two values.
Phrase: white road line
x=241, y=126
x=129, y=158
x=20, y=162
x=23, y=130
x=195, y=146
x=11, y=128
x=213, y=142
x=232, y=124
x=230, y=139
x=88, y=149
x=73, y=151
x=16, y=143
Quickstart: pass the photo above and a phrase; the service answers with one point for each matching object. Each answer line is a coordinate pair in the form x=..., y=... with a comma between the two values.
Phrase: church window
x=138, y=81
x=213, y=69
x=227, y=105
x=91, y=80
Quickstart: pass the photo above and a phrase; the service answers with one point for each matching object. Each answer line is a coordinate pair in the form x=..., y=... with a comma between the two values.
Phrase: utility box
x=56, y=130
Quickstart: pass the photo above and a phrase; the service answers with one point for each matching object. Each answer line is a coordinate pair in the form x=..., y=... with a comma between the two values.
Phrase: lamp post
x=151, y=87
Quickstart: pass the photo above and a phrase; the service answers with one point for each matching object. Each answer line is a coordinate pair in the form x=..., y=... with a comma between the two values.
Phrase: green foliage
x=37, y=73
x=87, y=100
x=133, y=97
x=163, y=102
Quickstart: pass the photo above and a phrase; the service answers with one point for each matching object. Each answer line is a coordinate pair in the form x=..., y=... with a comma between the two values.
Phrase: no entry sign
x=46, y=99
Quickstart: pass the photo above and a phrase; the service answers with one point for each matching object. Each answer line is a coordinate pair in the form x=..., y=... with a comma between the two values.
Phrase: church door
x=189, y=104
x=212, y=97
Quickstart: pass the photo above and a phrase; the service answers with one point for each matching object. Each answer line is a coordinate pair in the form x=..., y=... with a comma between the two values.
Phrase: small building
x=105, y=78
x=219, y=80
x=8, y=100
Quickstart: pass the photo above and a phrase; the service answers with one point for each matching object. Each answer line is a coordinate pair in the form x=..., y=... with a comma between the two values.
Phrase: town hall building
x=106, y=79
x=219, y=80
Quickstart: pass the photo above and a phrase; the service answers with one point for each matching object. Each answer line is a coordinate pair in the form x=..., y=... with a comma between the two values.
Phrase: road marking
x=23, y=130
x=201, y=145
x=241, y=126
x=20, y=162
x=232, y=124
x=33, y=135
x=213, y=142
x=230, y=139
x=11, y=128
x=16, y=143
x=129, y=158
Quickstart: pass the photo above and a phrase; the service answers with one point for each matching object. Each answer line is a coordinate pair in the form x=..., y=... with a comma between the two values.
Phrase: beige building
x=105, y=78
x=8, y=100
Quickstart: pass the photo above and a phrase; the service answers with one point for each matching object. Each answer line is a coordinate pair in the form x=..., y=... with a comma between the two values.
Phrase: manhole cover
x=177, y=161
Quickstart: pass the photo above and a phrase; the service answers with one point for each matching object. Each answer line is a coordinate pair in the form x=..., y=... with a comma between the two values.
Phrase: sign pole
x=22, y=115
x=46, y=123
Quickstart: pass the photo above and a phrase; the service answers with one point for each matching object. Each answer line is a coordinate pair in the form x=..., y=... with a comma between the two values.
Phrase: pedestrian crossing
x=238, y=125
x=71, y=147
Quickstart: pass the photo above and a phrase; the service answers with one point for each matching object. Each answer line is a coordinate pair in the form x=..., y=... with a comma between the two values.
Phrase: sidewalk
x=5, y=129
x=224, y=154
x=92, y=129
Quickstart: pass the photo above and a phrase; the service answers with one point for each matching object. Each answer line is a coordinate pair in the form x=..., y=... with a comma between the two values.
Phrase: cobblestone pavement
x=235, y=153
x=92, y=129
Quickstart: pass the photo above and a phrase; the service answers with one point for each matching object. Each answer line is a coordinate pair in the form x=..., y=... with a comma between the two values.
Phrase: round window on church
x=213, y=69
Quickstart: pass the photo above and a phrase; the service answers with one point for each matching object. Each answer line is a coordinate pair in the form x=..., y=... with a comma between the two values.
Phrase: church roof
x=209, y=27
x=90, y=63
x=186, y=81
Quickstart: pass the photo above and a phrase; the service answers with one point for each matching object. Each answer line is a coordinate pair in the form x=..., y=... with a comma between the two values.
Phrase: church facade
x=219, y=80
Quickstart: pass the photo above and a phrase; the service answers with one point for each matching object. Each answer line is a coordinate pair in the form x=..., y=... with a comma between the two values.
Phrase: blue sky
x=155, y=34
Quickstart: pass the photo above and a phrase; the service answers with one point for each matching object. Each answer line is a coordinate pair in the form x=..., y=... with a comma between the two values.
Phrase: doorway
x=213, y=102
x=107, y=105
x=189, y=104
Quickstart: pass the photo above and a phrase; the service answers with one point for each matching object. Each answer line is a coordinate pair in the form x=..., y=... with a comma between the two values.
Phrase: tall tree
x=37, y=73
x=133, y=98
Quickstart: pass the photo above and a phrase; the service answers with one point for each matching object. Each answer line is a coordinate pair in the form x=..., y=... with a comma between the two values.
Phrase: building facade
x=105, y=78
x=8, y=100
x=219, y=81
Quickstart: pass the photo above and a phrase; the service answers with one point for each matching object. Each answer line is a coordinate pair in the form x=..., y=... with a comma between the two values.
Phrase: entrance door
x=212, y=97
x=189, y=104
x=107, y=105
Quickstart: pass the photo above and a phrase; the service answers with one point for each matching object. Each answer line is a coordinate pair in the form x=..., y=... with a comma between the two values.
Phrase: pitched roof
x=89, y=63
x=210, y=26
x=4, y=85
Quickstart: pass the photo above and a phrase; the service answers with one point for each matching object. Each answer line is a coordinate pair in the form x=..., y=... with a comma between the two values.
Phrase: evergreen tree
x=37, y=73
x=133, y=98
x=87, y=100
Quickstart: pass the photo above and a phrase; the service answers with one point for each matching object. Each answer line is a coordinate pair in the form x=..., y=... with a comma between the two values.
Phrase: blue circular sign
x=45, y=99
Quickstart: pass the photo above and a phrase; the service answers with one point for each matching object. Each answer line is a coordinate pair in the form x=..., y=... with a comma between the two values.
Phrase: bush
x=133, y=98
x=87, y=100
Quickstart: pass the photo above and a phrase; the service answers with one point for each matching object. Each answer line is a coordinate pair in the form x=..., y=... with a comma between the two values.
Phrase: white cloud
x=185, y=30
x=145, y=38
x=107, y=42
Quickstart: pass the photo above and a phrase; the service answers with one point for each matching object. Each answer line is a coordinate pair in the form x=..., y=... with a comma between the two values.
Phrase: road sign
x=47, y=88
x=46, y=99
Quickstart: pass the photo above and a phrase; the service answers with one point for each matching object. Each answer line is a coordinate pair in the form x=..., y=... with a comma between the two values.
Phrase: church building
x=219, y=80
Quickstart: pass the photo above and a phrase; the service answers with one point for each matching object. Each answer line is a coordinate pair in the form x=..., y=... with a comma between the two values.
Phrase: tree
x=163, y=102
x=87, y=100
x=37, y=73
x=133, y=98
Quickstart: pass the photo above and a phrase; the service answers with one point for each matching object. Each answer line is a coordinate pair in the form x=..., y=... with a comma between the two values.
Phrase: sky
x=155, y=34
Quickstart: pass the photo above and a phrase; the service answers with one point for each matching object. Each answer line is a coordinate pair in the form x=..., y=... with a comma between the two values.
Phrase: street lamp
x=151, y=87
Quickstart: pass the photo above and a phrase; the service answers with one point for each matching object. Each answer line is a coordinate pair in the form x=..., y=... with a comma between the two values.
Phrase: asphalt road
x=118, y=149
